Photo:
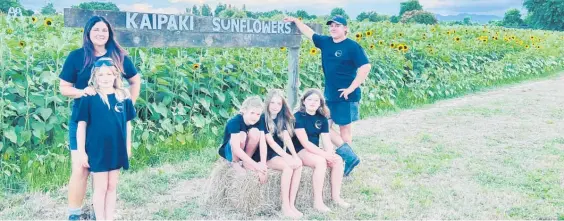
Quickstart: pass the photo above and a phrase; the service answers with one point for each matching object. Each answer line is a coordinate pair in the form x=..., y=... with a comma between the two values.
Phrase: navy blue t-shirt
x=274, y=134
x=73, y=72
x=340, y=62
x=314, y=125
x=234, y=126
x=106, y=131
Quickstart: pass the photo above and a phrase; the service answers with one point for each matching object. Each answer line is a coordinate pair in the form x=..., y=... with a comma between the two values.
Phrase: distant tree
x=108, y=6
x=410, y=5
x=339, y=11
x=48, y=9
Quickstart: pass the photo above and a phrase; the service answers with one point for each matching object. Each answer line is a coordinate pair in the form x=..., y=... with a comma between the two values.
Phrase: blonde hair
x=251, y=102
x=121, y=92
x=323, y=109
x=285, y=117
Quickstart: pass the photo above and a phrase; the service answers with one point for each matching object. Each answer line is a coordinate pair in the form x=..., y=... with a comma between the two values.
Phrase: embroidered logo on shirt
x=119, y=107
x=338, y=53
x=318, y=124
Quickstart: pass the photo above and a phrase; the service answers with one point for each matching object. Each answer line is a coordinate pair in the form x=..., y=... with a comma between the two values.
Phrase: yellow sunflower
x=196, y=66
x=22, y=44
x=369, y=33
x=371, y=46
x=33, y=19
x=313, y=51
x=48, y=22
x=9, y=31
x=401, y=34
x=392, y=45
x=358, y=35
x=381, y=42
x=526, y=46
x=283, y=48
x=300, y=18
x=457, y=39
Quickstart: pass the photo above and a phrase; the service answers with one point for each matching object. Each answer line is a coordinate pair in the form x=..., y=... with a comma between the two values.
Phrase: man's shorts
x=344, y=112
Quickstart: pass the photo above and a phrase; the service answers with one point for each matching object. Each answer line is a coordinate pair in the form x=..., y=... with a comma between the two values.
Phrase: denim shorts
x=228, y=155
x=343, y=112
x=73, y=125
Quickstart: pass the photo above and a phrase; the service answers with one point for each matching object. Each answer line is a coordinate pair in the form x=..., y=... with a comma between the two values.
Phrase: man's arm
x=361, y=75
x=304, y=29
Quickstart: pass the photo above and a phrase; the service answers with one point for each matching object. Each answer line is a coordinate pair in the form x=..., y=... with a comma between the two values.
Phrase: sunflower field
x=187, y=94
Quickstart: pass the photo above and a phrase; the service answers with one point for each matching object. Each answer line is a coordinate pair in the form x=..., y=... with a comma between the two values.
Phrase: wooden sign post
x=135, y=29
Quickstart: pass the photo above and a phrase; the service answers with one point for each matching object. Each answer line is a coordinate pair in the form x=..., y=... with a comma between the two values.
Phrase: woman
x=98, y=41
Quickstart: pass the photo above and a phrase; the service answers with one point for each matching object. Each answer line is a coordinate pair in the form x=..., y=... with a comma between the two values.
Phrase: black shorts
x=269, y=154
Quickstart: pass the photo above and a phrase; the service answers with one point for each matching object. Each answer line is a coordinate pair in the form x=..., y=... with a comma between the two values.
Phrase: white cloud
x=144, y=7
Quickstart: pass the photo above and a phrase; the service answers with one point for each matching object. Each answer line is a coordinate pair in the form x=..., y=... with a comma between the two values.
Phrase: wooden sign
x=135, y=29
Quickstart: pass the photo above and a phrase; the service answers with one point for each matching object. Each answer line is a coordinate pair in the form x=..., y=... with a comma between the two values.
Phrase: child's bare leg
x=242, y=142
x=252, y=141
x=111, y=194
x=336, y=183
x=319, y=165
x=278, y=163
x=294, y=186
x=99, y=195
x=77, y=182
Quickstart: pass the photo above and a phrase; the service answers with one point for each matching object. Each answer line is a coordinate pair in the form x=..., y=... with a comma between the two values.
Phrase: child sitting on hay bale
x=277, y=122
x=311, y=126
x=242, y=137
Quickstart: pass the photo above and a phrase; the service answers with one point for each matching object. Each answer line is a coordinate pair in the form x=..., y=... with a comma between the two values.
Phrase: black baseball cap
x=338, y=19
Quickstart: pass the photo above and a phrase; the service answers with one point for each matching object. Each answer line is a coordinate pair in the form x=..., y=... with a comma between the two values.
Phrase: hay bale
x=244, y=192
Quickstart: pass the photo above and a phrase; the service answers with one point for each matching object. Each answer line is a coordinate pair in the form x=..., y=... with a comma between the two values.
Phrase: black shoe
x=74, y=217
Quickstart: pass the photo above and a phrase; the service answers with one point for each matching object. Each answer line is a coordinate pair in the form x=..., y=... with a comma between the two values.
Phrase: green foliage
x=195, y=10
x=48, y=9
x=219, y=8
x=339, y=11
x=304, y=15
x=371, y=16
x=419, y=16
x=206, y=10
x=546, y=14
x=108, y=6
x=233, y=13
x=512, y=18
x=467, y=21
x=410, y=5
x=188, y=93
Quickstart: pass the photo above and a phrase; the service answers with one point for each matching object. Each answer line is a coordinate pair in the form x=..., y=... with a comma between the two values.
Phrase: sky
x=317, y=7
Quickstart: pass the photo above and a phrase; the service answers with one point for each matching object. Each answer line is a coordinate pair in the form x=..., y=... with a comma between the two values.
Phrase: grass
x=419, y=174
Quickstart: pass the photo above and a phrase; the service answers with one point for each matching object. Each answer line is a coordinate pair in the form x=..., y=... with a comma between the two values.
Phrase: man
x=345, y=66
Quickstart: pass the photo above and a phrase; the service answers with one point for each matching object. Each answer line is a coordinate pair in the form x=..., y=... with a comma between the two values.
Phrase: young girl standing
x=312, y=126
x=98, y=42
x=104, y=134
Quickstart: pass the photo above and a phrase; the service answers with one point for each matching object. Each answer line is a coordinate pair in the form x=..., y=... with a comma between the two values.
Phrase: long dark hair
x=322, y=110
x=117, y=53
